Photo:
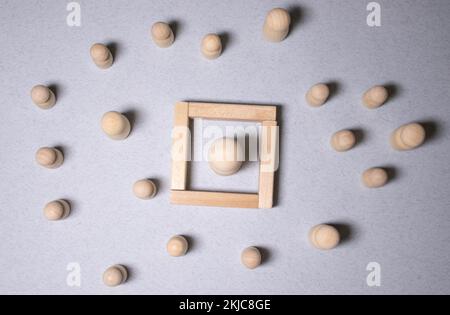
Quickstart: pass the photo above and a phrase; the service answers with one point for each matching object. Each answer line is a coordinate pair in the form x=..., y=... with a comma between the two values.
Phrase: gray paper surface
x=404, y=226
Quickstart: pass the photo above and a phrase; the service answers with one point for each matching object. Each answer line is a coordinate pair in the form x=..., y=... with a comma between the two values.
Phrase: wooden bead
x=162, y=34
x=276, y=25
x=408, y=137
x=102, y=56
x=115, y=275
x=251, y=257
x=144, y=189
x=177, y=246
x=211, y=46
x=375, y=97
x=43, y=97
x=324, y=236
x=49, y=157
x=343, y=140
x=116, y=125
x=57, y=210
x=317, y=95
x=375, y=177
x=225, y=156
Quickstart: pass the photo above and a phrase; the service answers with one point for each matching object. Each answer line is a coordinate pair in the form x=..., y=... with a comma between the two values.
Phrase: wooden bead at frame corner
x=211, y=46
x=101, y=56
x=49, y=157
x=225, y=156
x=317, y=95
x=408, y=137
x=375, y=96
x=251, y=257
x=43, y=96
x=276, y=25
x=116, y=125
x=57, y=210
x=374, y=177
x=343, y=140
x=162, y=34
x=144, y=189
x=115, y=275
x=177, y=246
x=324, y=236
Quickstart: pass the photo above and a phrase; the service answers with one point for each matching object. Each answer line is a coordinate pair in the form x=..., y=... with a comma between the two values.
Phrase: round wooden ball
x=251, y=257
x=115, y=275
x=375, y=96
x=375, y=177
x=101, y=55
x=144, y=189
x=343, y=140
x=317, y=95
x=49, y=157
x=211, y=46
x=276, y=25
x=225, y=156
x=43, y=97
x=57, y=210
x=162, y=34
x=177, y=246
x=116, y=125
x=408, y=137
x=324, y=236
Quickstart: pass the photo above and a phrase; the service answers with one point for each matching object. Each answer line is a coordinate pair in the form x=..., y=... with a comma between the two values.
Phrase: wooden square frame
x=266, y=115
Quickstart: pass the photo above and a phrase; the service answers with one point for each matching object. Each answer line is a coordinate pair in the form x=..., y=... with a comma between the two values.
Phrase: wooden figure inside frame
x=181, y=147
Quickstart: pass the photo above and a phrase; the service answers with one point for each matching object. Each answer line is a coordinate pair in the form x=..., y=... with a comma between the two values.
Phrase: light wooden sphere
x=162, y=34
x=144, y=189
x=57, y=210
x=115, y=275
x=177, y=246
x=375, y=96
x=43, y=97
x=324, y=236
x=211, y=46
x=276, y=25
x=251, y=257
x=408, y=137
x=343, y=140
x=116, y=125
x=224, y=156
x=49, y=157
x=101, y=56
x=375, y=177
x=317, y=95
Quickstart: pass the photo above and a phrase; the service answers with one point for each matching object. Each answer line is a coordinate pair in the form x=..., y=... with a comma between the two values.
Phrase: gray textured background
x=404, y=226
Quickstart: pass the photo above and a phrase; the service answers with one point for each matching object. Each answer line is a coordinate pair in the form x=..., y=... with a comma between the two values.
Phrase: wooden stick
x=180, y=146
x=268, y=163
x=214, y=199
x=232, y=111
